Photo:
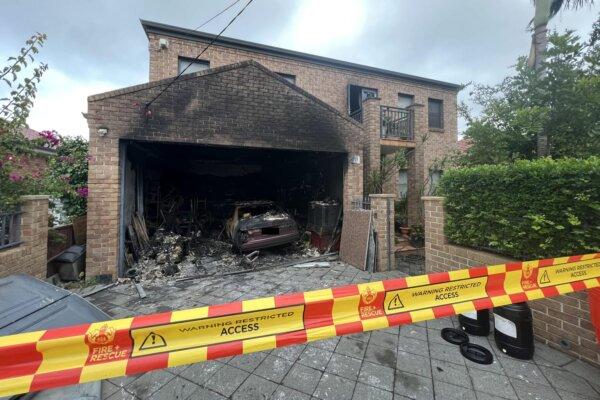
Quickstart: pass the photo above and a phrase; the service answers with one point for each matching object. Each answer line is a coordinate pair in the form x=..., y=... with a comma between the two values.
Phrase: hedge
x=529, y=209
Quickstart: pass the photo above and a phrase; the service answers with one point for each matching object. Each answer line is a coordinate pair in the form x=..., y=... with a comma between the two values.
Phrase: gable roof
x=189, y=34
x=218, y=70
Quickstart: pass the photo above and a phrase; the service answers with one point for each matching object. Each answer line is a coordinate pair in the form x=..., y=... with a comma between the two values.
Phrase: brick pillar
x=435, y=239
x=383, y=221
x=372, y=126
x=30, y=256
x=416, y=165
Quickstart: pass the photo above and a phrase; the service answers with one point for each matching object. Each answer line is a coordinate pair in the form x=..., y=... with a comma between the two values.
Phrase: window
x=290, y=78
x=435, y=113
x=356, y=95
x=434, y=180
x=402, y=183
x=405, y=100
x=194, y=65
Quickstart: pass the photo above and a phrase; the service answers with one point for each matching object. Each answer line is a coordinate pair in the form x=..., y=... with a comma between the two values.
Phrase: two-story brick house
x=251, y=121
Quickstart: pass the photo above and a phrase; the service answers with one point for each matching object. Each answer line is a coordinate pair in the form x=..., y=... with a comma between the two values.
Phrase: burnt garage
x=189, y=153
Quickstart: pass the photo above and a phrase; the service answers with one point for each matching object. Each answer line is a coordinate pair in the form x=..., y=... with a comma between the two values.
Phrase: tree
x=21, y=84
x=70, y=166
x=564, y=103
x=544, y=11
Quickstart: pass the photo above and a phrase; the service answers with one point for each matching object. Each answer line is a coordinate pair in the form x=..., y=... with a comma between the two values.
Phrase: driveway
x=408, y=362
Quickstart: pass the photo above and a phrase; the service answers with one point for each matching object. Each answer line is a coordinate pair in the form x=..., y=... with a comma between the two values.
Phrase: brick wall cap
x=35, y=197
x=432, y=198
x=382, y=196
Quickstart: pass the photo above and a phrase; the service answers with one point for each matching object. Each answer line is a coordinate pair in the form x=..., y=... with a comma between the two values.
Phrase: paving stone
x=564, y=395
x=544, y=355
x=351, y=347
x=439, y=324
x=366, y=392
x=328, y=344
x=344, y=366
x=248, y=362
x=444, y=371
x=123, y=381
x=286, y=393
x=413, y=346
x=147, y=384
x=273, y=368
x=413, y=386
x=290, y=353
x=334, y=387
x=381, y=355
x=315, y=358
x=488, y=382
x=525, y=371
x=414, y=364
x=177, y=388
x=446, y=353
x=414, y=331
x=107, y=389
x=384, y=340
x=205, y=394
x=533, y=391
x=254, y=388
x=487, y=396
x=447, y=391
x=586, y=371
x=363, y=337
x=121, y=394
x=302, y=378
x=377, y=375
x=565, y=380
x=201, y=372
x=227, y=380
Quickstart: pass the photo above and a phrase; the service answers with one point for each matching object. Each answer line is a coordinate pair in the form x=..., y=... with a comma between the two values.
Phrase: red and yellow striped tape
x=33, y=361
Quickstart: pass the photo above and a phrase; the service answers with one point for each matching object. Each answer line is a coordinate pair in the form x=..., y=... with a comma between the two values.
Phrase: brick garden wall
x=562, y=318
x=30, y=256
x=243, y=105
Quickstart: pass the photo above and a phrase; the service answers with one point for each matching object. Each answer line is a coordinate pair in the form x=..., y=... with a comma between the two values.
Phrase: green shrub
x=529, y=209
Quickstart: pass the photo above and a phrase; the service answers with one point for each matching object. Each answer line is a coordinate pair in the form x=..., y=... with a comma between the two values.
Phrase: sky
x=96, y=46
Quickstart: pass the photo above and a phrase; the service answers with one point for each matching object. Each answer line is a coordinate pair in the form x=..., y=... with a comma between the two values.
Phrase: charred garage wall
x=233, y=111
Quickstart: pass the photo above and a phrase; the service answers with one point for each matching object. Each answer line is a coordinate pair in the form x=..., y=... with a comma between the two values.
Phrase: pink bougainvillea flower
x=14, y=177
x=82, y=191
x=51, y=137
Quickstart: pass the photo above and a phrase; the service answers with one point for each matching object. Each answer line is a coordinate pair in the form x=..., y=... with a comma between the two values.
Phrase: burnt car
x=257, y=225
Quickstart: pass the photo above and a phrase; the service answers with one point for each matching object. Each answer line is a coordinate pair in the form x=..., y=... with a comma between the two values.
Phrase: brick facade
x=330, y=84
x=29, y=257
x=242, y=104
x=559, y=319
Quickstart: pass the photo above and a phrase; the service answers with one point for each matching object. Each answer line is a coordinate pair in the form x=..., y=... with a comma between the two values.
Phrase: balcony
x=397, y=124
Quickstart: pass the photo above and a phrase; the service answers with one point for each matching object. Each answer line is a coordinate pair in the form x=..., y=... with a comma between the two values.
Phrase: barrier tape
x=33, y=361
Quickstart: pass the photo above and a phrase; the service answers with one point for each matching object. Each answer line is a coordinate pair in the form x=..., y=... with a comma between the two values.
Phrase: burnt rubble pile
x=173, y=256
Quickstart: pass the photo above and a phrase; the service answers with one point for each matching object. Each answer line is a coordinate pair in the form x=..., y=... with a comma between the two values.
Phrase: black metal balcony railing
x=357, y=115
x=397, y=123
x=10, y=229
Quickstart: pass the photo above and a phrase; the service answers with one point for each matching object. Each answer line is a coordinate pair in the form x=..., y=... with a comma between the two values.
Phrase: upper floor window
x=192, y=65
x=405, y=100
x=290, y=78
x=436, y=113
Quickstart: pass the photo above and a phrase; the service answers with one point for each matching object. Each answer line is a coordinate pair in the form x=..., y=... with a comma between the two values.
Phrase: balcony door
x=356, y=95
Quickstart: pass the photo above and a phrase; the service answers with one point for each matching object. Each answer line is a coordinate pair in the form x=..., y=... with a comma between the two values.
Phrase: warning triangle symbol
x=545, y=279
x=395, y=303
x=153, y=341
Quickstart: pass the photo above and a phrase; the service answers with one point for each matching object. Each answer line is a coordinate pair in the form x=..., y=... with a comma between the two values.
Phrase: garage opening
x=216, y=195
